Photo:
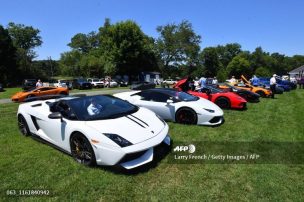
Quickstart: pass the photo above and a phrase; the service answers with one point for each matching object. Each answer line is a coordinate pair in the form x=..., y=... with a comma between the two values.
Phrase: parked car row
x=90, y=122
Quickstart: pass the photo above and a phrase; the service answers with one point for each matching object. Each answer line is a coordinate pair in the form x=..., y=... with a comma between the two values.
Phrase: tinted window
x=153, y=96
x=44, y=89
x=111, y=107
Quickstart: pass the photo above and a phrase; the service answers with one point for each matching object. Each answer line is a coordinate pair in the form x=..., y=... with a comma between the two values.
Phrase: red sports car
x=222, y=99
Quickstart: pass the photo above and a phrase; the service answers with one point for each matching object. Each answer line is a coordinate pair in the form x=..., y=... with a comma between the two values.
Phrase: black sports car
x=246, y=94
x=81, y=83
x=28, y=84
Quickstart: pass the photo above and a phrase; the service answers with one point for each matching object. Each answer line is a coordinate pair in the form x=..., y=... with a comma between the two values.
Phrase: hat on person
x=274, y=75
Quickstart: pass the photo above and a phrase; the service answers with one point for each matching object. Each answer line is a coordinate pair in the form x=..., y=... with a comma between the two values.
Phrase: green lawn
x=28, y=164
x=9, y=92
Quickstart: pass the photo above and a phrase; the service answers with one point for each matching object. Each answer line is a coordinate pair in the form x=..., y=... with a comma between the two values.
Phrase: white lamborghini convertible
x=173, y=105
x=102, y=130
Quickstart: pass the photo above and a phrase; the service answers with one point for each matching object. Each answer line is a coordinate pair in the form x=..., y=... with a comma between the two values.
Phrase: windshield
x=182, y=96
x=214, y=90
x=100, y=107
x=95, y=80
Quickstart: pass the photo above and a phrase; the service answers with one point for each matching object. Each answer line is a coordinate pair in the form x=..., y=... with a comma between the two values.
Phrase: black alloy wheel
x=23, y=127
x=261, y=93
x=82, y=150
x=223, y=102
x=186, y=116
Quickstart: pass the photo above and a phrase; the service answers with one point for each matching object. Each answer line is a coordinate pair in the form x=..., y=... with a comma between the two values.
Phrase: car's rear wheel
x=261, y=93
x=23, y=127
x=186, y=116
x=82, y=150
x=223, y=102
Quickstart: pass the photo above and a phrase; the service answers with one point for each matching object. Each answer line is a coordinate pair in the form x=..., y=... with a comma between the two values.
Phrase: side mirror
x=169, y=101
x=55, y=115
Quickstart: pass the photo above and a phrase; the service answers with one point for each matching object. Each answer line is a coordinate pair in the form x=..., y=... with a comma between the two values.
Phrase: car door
x=55, y=129
x=157, y=102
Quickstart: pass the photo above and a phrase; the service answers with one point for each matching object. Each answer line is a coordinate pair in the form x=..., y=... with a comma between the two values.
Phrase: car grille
x=132, y=156
x=215, y=119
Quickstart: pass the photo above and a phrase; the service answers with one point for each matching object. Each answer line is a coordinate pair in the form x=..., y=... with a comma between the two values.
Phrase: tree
x=210, y=58
x=121, y=48
x=178, y=45
x=84, y=42
x=25, y=37
x=70, y=63
x=8, y=64
x=228, y=52
x=239, y=66
x=262, y=72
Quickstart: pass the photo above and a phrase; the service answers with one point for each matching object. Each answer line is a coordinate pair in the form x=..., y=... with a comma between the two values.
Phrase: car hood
x=202, y=104
x=137, y=127
x=235, y=96
x=19, y=94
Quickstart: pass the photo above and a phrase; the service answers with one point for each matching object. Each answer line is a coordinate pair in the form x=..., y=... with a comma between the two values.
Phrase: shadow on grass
x=160, y=152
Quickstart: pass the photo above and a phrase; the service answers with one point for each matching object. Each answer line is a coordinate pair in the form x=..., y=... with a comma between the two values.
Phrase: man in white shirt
x=214, y=81
x=233, y=80
x=273, y=83
x=94, y=108
x=38, y=84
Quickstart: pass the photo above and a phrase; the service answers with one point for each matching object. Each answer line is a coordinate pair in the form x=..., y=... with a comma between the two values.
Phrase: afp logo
x=190, y=148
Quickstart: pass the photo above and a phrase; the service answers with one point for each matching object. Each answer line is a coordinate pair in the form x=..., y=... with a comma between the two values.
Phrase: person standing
x=38, y=84
x=202, y=82
x=215, y=81
x=273, y=83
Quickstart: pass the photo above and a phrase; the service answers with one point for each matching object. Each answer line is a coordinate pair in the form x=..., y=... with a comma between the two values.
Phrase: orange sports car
x=247, y=86
x=41, y=91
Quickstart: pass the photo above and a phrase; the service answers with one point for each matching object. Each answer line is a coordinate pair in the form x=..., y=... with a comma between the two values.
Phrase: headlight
x=209, y=110
x=118, y=140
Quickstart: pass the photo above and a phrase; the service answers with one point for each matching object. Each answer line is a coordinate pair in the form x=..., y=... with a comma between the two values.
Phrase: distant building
x=296, y=73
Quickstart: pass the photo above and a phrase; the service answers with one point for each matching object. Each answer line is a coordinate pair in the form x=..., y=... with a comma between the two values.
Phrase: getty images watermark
x=237, y=153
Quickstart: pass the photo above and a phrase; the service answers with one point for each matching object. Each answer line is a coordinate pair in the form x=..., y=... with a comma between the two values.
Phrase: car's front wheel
x=23, y=127
x=82, y=150
x=261, y=93
x=223, y=102
x=186, y=116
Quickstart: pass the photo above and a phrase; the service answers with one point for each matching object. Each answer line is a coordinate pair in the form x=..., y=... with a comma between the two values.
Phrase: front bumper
x=210, y=120
x=131, y=156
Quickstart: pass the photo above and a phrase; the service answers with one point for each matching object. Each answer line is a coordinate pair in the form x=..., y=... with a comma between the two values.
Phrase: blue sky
x=276, y=25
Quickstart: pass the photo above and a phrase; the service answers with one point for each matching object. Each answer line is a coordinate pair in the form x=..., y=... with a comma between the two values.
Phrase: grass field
x=28, y=164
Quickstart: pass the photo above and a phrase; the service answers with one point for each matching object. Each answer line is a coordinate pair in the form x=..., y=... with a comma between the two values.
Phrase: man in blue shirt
x=202, y=82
